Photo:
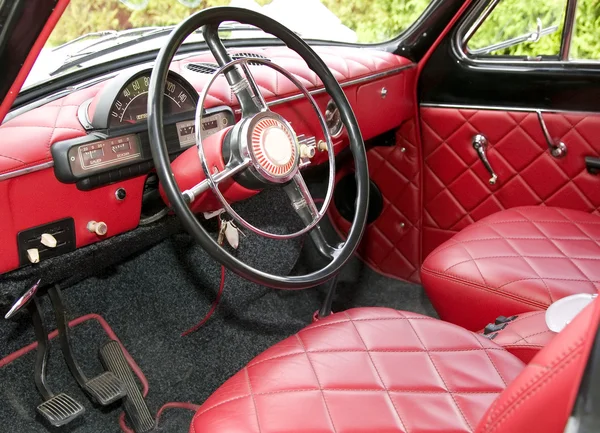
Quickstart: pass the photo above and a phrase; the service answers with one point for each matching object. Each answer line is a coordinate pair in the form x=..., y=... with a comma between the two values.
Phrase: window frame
x=482, y=10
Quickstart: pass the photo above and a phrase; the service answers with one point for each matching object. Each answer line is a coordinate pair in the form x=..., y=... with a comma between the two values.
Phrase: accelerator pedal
x=135, y=406
x=60, y=410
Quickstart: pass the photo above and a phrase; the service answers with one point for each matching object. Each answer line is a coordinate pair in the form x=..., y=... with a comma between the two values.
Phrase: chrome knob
x=480, y=143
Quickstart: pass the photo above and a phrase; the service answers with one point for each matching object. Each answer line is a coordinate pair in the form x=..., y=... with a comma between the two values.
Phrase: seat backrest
x=541, y=398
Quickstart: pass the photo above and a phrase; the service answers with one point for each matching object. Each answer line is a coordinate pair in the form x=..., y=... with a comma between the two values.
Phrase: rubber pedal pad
x=106, y=388
x=135, y=406
x=60, y=409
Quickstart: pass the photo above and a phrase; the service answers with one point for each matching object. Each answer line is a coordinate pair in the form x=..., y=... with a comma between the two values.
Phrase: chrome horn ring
x=249, y=156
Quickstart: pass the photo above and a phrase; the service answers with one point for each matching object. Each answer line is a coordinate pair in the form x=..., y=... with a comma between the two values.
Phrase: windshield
x=96, y=31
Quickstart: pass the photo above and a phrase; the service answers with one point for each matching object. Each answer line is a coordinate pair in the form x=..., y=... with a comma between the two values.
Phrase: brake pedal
x=135, y=406
x=59, y=409
x=103, y=389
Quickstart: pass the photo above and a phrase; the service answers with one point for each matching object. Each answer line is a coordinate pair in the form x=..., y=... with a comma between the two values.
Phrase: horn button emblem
x=274, y=149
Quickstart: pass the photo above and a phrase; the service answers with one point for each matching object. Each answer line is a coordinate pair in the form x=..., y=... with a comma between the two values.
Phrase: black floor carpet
x=152, y=298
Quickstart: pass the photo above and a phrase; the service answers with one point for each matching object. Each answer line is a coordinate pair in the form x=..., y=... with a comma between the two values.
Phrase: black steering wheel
x=261, y=149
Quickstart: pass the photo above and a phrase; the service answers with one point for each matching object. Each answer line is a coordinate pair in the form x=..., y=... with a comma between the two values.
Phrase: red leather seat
x=382, y=370
x=514, y=261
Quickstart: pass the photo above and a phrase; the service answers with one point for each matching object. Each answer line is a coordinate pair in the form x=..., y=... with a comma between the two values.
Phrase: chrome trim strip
x=365, y=79
x=26, y=170
x=567, y=34
x=470, y=25
x=82, y=115
x=499, y=108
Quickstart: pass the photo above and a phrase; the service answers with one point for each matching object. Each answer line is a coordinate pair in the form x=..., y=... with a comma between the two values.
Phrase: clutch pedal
x=135, y=406
x=58, y=409
x=105, y=388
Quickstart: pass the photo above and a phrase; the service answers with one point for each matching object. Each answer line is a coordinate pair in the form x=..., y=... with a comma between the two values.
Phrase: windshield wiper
x=100, y=33
x=85, y=54
x=532, y=36
x=143, y=35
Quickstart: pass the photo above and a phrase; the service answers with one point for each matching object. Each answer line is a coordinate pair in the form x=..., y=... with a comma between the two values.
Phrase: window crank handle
x=480, y=144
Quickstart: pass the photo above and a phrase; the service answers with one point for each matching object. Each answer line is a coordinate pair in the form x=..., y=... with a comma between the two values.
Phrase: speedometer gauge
x=124, y=100
x=131, y=105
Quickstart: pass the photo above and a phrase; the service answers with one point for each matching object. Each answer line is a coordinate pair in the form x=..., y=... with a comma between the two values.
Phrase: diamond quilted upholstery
x=391, y=243
x=526, y=335
x=455, y=188
x=548, y=385
x=365, y=370
x=520, y=259
x=26, y=139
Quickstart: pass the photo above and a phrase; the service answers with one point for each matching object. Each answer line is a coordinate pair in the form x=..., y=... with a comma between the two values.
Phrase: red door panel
x=391, y=243
x=456, y=191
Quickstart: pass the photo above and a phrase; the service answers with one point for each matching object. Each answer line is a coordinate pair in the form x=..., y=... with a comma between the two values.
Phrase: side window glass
x=523, y=28
x=585, y=44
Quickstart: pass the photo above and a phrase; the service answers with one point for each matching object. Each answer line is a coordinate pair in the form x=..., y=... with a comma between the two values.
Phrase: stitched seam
x=13, y=158
x=490, y=358
x=490, y=290
x=506, y=241
x=494, y=424
x=440, y=375
x=319, y=325
x=318, y=382
x=288, y=391
x=532, y=335
x=539, y=376
x=252, y=397
x=377, y=371
x=372, y=351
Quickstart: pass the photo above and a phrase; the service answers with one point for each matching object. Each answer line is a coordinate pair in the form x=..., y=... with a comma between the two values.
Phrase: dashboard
x=82, y=157
x=117, y=146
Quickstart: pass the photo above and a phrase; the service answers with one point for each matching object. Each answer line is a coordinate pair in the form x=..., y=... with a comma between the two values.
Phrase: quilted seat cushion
x=525, y=336
x=513, y=261
x=365, y=370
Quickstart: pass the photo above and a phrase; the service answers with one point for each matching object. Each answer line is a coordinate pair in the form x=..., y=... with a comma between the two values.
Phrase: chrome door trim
x=506, y=108
x=26, y=170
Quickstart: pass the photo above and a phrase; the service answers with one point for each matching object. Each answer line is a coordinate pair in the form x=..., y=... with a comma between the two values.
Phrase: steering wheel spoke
x=301, y=198
x=263, y=142
x=242, y=84
x=304, y=205
x=230, y=170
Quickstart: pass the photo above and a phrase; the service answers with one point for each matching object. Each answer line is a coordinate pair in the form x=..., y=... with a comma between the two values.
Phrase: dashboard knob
x=100, y=228
x=48, y=240
x=33, y=255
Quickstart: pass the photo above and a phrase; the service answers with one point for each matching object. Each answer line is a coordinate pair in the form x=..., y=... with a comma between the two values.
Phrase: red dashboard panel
x=37, y=198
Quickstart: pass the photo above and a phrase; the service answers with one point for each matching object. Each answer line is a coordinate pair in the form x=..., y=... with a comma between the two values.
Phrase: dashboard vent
x=250, y=55
x=202, y=68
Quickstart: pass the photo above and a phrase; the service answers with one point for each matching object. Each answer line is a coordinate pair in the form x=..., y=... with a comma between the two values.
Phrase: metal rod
x=41, y=360
x=567, y=35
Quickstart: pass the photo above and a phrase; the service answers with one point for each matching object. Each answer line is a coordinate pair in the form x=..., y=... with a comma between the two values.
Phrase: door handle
x=557, y=148
x=480, y=143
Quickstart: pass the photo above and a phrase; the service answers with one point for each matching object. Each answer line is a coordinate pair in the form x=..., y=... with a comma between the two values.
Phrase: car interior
x=285, y=234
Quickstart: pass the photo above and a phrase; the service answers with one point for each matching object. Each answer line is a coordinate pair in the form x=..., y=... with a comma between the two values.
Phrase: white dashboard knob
x=48, y=240
x=100, y=228
x=33, y=255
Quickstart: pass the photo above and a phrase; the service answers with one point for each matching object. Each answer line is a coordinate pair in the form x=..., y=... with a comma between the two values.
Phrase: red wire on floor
x=213, y=307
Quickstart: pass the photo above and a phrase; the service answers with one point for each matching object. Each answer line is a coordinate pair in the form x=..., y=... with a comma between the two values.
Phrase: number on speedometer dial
x=131, y=104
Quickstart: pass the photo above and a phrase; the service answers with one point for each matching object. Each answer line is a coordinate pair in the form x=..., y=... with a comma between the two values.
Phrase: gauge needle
x=129, y=120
